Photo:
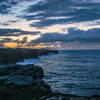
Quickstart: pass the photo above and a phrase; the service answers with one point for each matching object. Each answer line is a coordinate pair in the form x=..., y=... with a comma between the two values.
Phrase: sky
x=52, y=24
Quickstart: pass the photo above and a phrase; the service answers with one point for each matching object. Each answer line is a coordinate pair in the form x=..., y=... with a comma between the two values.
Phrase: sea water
x=71, y=72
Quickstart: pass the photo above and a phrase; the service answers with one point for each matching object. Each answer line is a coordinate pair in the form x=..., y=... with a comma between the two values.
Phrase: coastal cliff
x=13, y=55
x=25, y=82
x=22, y=83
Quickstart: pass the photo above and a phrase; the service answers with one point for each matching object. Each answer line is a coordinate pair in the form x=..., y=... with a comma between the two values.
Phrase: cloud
x=6, y=40
x=73, y=35
x=54, y=16
x=79, y=10
x=21, y=41
x=6, y=4
x=16, y=32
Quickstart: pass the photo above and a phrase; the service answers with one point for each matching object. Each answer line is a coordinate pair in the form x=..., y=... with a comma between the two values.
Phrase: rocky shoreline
x=13, y=55
x=25, y=82
x=22, y=83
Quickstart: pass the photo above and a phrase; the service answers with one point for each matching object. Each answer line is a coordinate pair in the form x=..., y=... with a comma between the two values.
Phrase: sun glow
x=43, y=46
x=11, y=45
x=47, y=45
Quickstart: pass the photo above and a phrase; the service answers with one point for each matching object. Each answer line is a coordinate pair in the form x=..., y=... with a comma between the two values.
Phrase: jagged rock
x=60, y=96
x=23, y=79
x=25, y=82
x=13, y=55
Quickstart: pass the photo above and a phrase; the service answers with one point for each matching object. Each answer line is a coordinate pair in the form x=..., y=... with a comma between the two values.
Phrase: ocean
x=71, y=71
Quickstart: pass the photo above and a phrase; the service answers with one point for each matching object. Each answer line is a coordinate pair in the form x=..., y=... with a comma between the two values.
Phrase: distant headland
x=12, y=55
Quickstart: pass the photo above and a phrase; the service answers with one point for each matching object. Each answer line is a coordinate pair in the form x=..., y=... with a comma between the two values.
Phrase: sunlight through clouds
x=35, y=19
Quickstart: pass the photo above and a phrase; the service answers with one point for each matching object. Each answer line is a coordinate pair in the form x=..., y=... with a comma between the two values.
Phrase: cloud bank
x=50, y=22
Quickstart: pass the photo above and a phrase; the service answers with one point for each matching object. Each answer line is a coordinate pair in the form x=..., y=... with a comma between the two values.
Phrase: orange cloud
x=38, y=46
x=11, y=45
x=46, y=45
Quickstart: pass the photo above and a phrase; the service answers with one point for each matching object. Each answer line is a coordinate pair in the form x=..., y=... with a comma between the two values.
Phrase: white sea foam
x=28, y=61
x=33, y=60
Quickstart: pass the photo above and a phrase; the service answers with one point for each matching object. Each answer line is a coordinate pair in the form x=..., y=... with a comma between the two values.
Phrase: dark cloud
x=73, y=35
x=50, y=37
x=4, y=40
x=8, y=40
x=52, y=12
x=92, y=35
x=10, y=32
x=78, y=9
x=4, y=23
x=24, y=40
x=6, y=4
x=48, y=22
x=21, y=41
x=1, y=45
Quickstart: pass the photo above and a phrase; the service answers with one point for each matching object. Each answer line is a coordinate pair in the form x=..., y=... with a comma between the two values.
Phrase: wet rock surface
x=25, y=82
x=22, y=83
x=13, y=55
x=60, y=96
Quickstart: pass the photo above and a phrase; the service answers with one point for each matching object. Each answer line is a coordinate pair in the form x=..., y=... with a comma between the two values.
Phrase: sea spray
x=33, y=60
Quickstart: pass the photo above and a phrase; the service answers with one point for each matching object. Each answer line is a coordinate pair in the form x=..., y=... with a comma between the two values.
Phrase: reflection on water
x=73, y=72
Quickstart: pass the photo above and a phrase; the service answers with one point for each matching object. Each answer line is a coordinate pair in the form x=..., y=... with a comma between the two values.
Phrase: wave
x=33, y=60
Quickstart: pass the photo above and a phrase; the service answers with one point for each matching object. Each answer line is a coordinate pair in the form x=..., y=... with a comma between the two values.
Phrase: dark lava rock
x=22, y=83
x=26, y=83
x=13, y=55
x=60, y=96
